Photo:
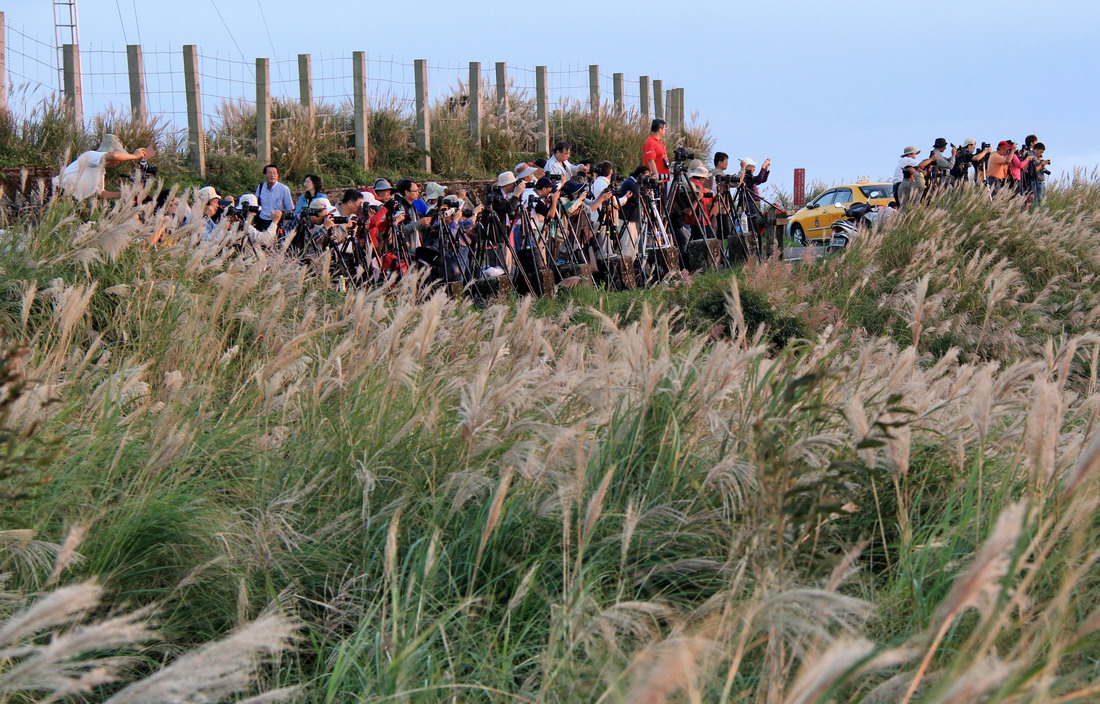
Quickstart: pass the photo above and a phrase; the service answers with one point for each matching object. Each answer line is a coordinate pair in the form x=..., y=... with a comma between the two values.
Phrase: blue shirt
x=273, y=198
x=421, y=207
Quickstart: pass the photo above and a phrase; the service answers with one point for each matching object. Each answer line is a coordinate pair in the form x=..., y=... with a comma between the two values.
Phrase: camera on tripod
x=146, y=168
x=682, y=154
x=242, y=211
x=730, y=179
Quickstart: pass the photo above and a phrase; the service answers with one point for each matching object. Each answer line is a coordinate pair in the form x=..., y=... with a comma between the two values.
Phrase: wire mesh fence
x=312, y=97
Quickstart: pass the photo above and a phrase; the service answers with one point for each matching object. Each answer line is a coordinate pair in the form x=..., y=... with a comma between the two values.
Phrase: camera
x=682, y=154
x=340, y=219
x=984, y=146
x=147, y=169
x=312, y=212
x=732, y=179
x=242, y=211
x=554, y=177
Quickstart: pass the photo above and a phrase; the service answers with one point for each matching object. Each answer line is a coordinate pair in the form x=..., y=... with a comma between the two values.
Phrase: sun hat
x=433, y=190
x=523, y=170
x=940, y=143
x=571, y=188
x=248, y=199
x=382, y=185
x=205, y=195
x=323, y=204
x=699, y=172
x=110, y=143
x=505, y=179
x=749, y=162
x=910, y=150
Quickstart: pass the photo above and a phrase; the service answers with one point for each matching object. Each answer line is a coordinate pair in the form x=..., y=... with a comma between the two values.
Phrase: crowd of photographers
x=1021, y=170
x=546, y=214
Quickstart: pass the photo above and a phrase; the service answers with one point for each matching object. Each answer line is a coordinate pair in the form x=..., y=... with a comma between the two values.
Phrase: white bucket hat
x=699, y=172
x=205, y=195
x=910, y=150
x=506, y=178
x=110, y=143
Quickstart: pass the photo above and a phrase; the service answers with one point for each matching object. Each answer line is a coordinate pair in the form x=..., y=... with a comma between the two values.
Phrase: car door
x=816, y=210
x=842, y=198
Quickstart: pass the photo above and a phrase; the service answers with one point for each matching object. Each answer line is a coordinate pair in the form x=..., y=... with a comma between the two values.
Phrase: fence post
x=135, y=64
x=74, y=91
x=305, y=81
x=474, y=101
x=423, y=114
x=594, y=89
x=618, y=89
x=673, y=108
x=263, y=110
x=359, y=108
x=542, y=111
x=502, y=92
x=668, y=109
x=643, y=93
x=195, y=137
x=3, y=65
x=680, y=121
x=658, y=100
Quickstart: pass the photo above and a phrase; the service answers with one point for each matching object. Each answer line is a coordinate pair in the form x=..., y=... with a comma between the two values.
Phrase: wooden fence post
x=475, y=106
x=673, y=111
x=594, y=89
x=423, y=114
x=263, y=110
x=668, y=109
x=680, y=121
x=74, y=91
x=360, y=109
x=3, y=64
x=643, y=99
x=502, y=92
x=658, y=100
x=617, y=81
x=305, y=81
x=542, y=111
x=195, y=136
x=135, y=64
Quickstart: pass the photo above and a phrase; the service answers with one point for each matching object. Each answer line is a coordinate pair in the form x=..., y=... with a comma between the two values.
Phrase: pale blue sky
x=837, y=88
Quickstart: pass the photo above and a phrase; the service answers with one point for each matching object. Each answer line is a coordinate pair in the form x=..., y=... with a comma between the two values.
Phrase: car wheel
x=799, y=235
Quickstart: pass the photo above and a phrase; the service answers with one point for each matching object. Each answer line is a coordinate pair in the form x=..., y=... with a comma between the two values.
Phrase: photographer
x=558, y=164
x=694, y=209
x=941, y=166
x=167, y=216
x=405, y=216
x=272, y=196
x=721, y=163
x=654, y=153
x=908, y=158
x=1038, y=172
x=208, y=206
x=630, y=194
x=313, y=188
x=247, y=209
x=908, y=190
x=965, y=157
x=319, y=223
x=86, y=176
x=999, y=162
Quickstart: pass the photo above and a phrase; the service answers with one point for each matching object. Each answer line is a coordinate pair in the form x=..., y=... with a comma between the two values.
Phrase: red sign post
x=799, y=188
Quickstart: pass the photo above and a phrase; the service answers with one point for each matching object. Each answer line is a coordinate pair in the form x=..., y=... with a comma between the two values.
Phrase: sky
x=839, y=89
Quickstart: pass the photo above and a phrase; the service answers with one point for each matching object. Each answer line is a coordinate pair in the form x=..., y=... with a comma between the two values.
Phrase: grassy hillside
x=870, y=478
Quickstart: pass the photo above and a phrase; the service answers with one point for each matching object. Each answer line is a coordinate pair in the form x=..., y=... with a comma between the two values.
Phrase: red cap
x=1004, y=143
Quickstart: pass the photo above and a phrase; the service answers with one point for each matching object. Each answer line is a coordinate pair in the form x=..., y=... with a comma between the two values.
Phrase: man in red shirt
x=654, y=154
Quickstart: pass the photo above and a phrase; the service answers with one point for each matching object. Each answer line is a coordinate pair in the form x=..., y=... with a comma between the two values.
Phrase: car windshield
x=877, y=191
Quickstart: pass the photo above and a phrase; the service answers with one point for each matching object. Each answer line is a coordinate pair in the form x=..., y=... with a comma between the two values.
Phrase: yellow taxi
x=815, y=220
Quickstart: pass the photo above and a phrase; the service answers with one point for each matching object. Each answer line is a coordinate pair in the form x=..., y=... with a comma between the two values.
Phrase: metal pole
x=359, y=109
x=135, y=63
x=195, y=137
x=542, y=111
x=263, y=110
x=423, y=114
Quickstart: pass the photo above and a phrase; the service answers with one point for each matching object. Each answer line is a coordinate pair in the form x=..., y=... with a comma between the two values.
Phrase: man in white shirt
x=559, y=162
x=272, y=196
x=87, y=175
x=908, y=158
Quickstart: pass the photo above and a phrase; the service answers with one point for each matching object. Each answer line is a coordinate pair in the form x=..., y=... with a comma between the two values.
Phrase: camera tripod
x=495, y=236
x=682, y=187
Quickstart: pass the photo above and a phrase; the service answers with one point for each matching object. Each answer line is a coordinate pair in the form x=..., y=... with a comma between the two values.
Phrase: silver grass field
x=229, y=477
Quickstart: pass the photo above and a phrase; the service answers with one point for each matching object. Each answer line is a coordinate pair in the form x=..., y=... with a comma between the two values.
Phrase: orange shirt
x=998, y=166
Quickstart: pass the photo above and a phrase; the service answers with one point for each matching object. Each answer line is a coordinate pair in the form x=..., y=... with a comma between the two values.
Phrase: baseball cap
x=543, y=182
x=1004, y=143
x=969, y=142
